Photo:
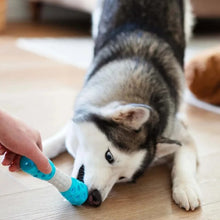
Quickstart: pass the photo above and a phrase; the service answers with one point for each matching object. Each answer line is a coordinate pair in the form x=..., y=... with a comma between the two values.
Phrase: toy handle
x=29, y=167
x=73, y=190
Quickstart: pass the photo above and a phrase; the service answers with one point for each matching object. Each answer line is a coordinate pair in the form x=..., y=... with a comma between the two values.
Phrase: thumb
x=41, y=161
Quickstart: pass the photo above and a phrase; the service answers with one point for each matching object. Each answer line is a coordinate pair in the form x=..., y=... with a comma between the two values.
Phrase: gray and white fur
x=125, y=116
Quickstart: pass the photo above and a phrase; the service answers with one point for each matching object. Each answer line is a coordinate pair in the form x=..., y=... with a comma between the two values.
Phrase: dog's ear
x=130, y=115
x=166, y=146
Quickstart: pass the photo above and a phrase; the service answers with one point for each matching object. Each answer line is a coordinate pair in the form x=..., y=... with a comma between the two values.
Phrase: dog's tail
x=189, y=19
x=55, y=145
x=96, y=16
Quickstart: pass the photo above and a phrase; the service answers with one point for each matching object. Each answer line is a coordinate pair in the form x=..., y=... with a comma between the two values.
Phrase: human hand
x=18, y=139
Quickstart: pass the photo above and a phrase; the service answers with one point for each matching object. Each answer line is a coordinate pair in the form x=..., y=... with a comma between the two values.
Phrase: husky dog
x=126, y=113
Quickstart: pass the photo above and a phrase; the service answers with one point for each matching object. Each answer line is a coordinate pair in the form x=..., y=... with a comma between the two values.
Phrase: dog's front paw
x=187, y=195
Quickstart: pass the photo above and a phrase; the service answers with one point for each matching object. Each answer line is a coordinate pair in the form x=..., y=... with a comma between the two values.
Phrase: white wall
x=18, y=10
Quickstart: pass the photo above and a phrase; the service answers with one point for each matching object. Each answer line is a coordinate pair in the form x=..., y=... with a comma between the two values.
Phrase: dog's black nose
x=94, y=198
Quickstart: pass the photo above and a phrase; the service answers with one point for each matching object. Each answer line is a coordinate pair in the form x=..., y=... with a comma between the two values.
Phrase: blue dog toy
x=72, y=189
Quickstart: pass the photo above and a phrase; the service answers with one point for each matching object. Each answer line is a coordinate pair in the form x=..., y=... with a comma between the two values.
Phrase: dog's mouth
x=94, y=198
x=81, y=174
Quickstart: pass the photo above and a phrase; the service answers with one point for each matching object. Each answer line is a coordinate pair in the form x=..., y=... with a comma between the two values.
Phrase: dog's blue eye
x=109, y=157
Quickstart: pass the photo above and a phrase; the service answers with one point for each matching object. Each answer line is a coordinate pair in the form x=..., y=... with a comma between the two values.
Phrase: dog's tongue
x=90, y=199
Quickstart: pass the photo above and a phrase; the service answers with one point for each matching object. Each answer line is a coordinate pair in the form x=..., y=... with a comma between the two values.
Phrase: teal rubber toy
x=75, y=191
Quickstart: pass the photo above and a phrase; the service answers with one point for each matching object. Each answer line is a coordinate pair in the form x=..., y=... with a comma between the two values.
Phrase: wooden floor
x=41, y=92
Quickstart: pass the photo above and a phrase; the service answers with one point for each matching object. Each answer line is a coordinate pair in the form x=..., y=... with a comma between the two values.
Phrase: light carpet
x=74, y=51
x=79, y=52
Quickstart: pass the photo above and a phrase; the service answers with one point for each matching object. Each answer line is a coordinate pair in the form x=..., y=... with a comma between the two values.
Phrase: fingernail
x=49, y=169
x=13, y=168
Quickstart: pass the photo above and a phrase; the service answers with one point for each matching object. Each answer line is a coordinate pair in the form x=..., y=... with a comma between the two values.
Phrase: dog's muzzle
x=94, y=198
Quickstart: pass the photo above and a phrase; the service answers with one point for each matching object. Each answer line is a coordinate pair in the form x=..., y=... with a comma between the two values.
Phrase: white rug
x=79, y=52
x=74, y=51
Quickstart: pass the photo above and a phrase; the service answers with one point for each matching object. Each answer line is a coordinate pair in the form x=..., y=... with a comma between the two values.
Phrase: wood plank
x=209, y=178
x=41, y=92
x=213, y=210
x=204, y=127
x=2, y=15
x=37, y=89
x=9, y=184
x=147, y=199
x=48, y=29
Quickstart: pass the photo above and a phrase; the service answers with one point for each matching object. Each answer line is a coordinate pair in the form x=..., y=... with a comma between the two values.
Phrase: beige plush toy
x=203, y=76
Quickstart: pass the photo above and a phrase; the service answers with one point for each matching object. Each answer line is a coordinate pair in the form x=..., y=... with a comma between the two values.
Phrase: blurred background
x=68, y=11
x=45, y=50
x=61, y=30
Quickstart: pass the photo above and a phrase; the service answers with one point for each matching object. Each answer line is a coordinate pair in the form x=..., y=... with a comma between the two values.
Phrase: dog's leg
x=71, y=141
x=63, y=140
x=55, y=145
x=186, y=192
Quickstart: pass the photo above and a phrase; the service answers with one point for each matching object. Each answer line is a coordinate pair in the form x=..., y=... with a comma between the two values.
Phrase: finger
x=8, y=159
x=39, y=143
x=40, y=160
x=15, y=166
x=2, y=149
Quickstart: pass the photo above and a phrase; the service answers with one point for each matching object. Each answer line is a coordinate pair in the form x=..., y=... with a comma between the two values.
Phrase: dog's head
x=116, y=143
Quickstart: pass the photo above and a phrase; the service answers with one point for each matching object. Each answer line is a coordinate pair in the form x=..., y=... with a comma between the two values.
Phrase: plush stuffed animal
x=203, y=76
